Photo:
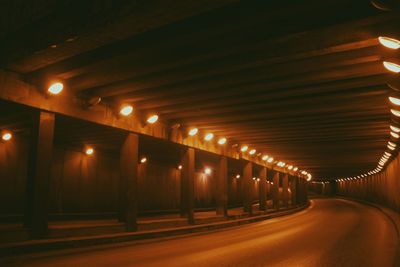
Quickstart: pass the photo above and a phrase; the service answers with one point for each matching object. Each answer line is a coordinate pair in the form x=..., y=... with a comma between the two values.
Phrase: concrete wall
x=382, y=188
x=82, y=184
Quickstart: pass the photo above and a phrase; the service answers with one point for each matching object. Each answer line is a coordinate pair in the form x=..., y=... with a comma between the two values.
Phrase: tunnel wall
x=382, y=188
x=81, y=184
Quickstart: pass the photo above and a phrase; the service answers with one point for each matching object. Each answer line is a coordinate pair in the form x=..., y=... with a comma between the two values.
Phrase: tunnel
x=203, y=133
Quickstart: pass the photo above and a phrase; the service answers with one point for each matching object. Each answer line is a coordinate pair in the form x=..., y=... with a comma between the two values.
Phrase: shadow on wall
x=382, y=188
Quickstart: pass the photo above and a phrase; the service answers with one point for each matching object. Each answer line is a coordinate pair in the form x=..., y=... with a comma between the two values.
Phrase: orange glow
x=193, y=131
x=126, y=110
x=89, y=151
x=395, y=112
x=252, y=152
x=207, y=171
x=209, y=136
x=143, y=160
x=237, y=176
x=393, y=67
x=389, y=42
x=244, y=148
x=6, y=136
x=55, y=88
x=394, y=129
x=222, y=141
x=394, y=100
x=180, y=167
x=152, y=119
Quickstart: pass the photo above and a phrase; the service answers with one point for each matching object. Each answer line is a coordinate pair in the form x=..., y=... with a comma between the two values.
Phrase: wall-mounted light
x=258, y=179
x=180, y=167
x=193, y=131
x=209, y=136
x=244, y=148
x=395, y=112
x=391, y=66
x=89, y=151
x=252, y=152
x=222, y=141
x=6, y=136
x=237, y=176
x=395, y=129
x=389, y=42
x=295, y=169
x=254, y=178
x=388, y=154
x=290, y=167
x=265, y=157
x=55, y=88
x=152, y=119
x=270, y=160
x=394, y=100
x=143, y=160
x=126, y=110
x=207, y=171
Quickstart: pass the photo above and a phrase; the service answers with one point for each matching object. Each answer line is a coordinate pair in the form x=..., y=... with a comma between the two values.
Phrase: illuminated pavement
x=332, y=232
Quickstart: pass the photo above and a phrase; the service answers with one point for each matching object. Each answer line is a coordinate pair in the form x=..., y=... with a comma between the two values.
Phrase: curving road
x=332, y=232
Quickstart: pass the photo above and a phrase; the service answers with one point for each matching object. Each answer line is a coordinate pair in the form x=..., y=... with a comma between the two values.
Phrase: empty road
x=332, y=232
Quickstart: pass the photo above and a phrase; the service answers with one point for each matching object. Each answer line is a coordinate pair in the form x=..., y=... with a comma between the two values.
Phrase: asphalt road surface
x=332, y=232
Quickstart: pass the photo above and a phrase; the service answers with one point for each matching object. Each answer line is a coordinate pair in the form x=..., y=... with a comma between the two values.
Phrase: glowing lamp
x=244, y=148
x=55, y=88
x=270, y=160
x=394, y=100
x=391, y=147
x=180, y=167
x=237, y=176
x=389, y=42
x=143, y=160
x=395, y=112
x=252, y=152
x=6, y=136
x=394, y=129
x=393, y=67
x=209, y=136
x=89, y=151
x=126, y=110
x=207, y=171
x=395, y=135
x=265, y=157
x=295, y=169
x=290, y=167
x=152, y=119
x=222, y=141
x=392, y=144
x=193, y=131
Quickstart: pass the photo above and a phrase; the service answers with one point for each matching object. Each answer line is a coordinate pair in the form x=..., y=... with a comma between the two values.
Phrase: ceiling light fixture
x=55, y=88
x=393, y=67
x=389, y=42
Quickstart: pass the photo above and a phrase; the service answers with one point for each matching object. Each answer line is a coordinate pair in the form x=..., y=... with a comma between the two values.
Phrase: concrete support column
x=129, y=178
x=285, y=191
x=247, y=186
x=275, y=190
x=222, y=187
x=39, y=168
x=293, y=189
x=187, y=185
x=263, y=188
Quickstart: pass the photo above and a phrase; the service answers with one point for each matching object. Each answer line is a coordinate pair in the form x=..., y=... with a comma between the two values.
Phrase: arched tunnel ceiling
x=301, y=80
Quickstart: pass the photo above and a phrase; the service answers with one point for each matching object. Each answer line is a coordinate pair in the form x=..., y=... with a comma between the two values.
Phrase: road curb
x=33, y=246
